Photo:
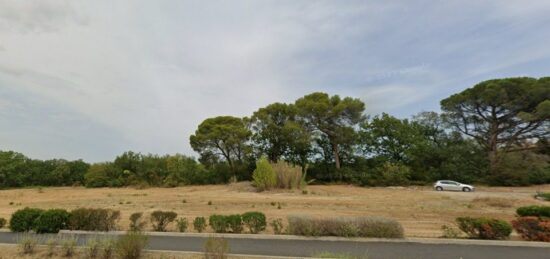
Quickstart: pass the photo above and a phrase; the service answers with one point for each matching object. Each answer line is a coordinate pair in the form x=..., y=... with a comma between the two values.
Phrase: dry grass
x=11, y=251
x=420, y=210
x=497, y=202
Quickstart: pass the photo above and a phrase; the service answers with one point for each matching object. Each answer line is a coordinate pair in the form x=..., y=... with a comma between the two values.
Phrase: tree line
x=495, y=132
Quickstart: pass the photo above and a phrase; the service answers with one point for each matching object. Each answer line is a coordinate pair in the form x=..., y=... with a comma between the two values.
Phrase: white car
x=447, y=185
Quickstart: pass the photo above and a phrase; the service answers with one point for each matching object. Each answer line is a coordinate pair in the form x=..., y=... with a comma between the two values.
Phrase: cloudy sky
x=91, y=79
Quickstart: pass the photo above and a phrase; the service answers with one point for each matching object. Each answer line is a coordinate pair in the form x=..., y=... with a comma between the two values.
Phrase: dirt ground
x=420, y=210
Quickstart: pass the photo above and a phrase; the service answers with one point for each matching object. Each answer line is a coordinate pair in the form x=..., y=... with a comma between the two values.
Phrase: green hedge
x=23, y=220
x=255, y=221
x=535, y=211
x=94, y=219
x=51, y=221
x=484, y=228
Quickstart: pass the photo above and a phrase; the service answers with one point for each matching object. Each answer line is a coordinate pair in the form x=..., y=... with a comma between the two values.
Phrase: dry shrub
x=345, y=227
x=27, y=243
x=131, y=245
x=288, y=176
x=494, y=202
x=216, y=248
x=533, y=228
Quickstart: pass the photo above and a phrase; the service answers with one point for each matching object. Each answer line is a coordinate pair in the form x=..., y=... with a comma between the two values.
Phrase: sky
x=92, y=79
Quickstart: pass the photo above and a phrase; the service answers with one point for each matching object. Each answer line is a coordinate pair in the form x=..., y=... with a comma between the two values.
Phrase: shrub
x=131, y=245
x=94, y=219
x=161, y=219
x=533, y=228
x=108, y=248
x=235, y=223
x=535, y=211
x=218, y=223
x=93, y=248
x=395, y=174
x=380, y=227
x=51, y=245
x=51, y=221
x=543, y=196
x=199, y=224
x=2, y=222
x=254, y=221
x=346, y=227
x=23, y=220
x=450, y=232
x=182, y=224
x=27, y=243
x=68, y=246
x=216, y=248
x=484, y=228
x=264, y=177
x=288, y=176
x=136, y=221
x=277, y=226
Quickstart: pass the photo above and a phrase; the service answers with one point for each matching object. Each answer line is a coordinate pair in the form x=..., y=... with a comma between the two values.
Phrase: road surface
x=304, y=247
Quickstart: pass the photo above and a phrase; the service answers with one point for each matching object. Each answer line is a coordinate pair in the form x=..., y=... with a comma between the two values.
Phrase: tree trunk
x=493, y=149
x=336, y=155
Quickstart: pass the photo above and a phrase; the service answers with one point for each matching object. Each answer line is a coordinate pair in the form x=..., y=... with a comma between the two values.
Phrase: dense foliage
x=484, y=228
x=496, y=133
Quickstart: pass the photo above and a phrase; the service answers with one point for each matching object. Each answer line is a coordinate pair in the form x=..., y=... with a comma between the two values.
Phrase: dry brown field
x=420, y=210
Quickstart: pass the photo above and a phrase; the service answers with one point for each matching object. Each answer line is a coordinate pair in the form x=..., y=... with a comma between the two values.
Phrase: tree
x=224, y=136
x=501, y=113
x=331, y=116
x=278, y=134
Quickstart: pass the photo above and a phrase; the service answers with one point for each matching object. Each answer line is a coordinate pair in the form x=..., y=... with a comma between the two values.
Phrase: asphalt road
x=305, y=248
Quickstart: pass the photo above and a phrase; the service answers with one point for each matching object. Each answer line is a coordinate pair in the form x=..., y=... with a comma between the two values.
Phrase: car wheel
x=439, y=188
x=466, y=189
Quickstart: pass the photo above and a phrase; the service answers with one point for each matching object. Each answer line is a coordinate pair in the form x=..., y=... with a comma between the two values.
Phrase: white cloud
x=143, y=74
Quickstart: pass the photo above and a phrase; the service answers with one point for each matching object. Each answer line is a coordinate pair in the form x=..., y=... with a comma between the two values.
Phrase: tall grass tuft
x=26, y=243
x=216, y=248
x=131, y=245
x=288, y=176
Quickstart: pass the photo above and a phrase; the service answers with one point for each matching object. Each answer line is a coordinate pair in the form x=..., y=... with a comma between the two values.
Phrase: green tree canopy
x=500, y=114
x=332, y=116
x=224, y=136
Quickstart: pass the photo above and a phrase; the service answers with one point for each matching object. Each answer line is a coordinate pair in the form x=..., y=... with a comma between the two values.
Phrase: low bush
x=136, y=221
x=108, y=248
x=484, y=228
x=93, y=248
x=380, y=227
x=182, y=224
x=68, y=246
x=216, y=248
x=94, y=219
x=450, y=232
x=277, y=226
x=2, y=222
x=533, y=228
x=235, y=223
x=534, y=211
x=23, y=220
x=346, y=227
x=218, y=223
x=51, y=245
x=543, y=196
x=161, y=219
x=199, y=224
x=131, y=245
x=254, y=221
x=51, y=221
x=26, y=243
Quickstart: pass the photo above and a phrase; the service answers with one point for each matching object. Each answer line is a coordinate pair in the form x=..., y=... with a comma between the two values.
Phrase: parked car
x=447, y=185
